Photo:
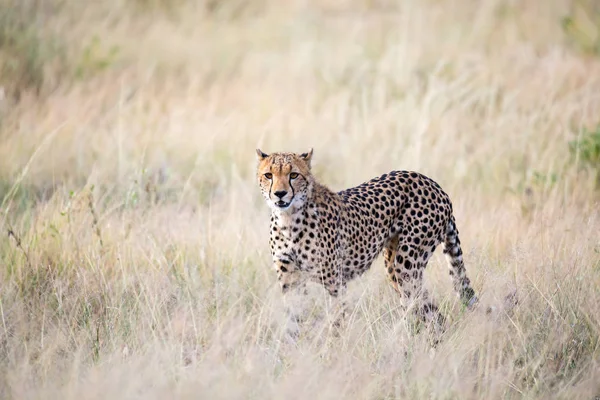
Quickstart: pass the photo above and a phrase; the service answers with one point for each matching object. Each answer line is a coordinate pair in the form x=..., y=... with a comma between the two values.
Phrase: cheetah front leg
x=293, y=288
x=337, y=291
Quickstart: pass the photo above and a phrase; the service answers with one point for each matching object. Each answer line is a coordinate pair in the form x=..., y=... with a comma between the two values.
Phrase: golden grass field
x=134, y=258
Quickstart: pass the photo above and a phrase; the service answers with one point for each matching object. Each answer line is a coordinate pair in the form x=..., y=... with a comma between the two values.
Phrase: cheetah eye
x=293, y=175
x=269, y=175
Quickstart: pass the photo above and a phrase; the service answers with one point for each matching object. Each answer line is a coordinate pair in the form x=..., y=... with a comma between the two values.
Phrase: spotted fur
x=331, y=238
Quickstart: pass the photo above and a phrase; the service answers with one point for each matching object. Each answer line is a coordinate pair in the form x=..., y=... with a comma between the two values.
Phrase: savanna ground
x=134, y=256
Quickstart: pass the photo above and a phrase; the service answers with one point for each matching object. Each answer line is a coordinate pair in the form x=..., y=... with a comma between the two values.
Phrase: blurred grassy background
x=134, y=257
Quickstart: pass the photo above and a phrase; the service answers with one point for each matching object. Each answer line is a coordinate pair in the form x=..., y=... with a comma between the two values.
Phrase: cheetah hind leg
x=458, y=273
x=405, y=265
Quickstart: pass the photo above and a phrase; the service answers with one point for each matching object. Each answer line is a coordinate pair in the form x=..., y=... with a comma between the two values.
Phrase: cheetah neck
x=286, y=217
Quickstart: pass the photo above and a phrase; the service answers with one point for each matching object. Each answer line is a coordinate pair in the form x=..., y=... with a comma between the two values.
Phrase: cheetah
x=331, y=238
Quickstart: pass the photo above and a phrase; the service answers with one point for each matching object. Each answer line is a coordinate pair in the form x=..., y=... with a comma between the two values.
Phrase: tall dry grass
x=134, y=258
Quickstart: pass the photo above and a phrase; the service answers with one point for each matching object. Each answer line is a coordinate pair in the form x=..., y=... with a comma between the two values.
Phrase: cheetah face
x=285, y=179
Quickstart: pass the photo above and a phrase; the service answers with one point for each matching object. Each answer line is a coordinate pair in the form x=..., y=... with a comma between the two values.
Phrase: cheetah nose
x=280, y=193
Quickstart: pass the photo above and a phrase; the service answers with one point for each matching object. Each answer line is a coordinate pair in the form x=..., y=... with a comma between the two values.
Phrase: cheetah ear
x=307, y=156
x=261, y=155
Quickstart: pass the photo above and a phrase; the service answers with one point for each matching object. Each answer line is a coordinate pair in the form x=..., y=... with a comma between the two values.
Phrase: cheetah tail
x=458, y=273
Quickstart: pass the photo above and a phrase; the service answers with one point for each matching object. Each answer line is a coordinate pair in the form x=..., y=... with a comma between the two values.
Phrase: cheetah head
x=285, y=179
